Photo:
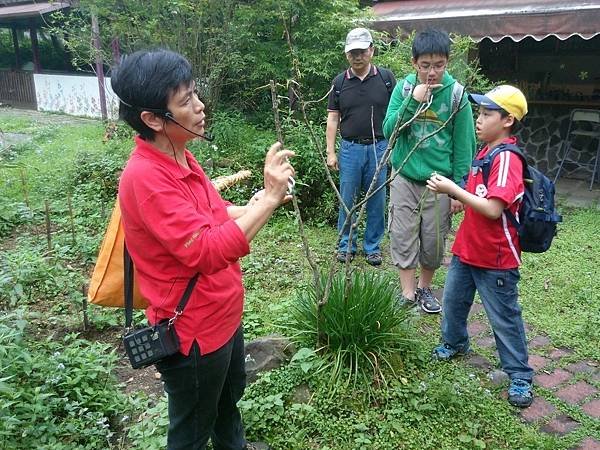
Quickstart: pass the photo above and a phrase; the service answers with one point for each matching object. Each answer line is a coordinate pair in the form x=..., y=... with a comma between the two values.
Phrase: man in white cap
x=357, y=104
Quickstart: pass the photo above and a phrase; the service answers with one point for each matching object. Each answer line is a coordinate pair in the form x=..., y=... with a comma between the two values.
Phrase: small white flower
x=60, y=366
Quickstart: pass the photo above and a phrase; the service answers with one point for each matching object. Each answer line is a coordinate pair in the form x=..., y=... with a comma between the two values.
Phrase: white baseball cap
x=358, y=38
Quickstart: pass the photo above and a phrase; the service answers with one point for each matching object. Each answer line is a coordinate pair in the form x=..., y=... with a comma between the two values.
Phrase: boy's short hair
x=431, y=42
x=516, y=126
x=144, y=81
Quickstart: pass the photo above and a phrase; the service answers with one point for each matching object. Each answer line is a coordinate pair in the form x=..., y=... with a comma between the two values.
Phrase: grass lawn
x=426, y=405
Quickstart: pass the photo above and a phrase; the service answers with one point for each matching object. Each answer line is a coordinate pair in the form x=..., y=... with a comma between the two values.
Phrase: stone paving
x=562, y=386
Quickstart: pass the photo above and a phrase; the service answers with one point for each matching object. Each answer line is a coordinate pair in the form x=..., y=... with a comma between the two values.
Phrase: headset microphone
x=206, y=136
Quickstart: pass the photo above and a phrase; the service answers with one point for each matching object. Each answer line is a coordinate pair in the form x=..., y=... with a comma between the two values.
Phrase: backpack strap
x=458, y=90
x=407, y=88
x=338, y=82
x=386, y=76
x=485, y=165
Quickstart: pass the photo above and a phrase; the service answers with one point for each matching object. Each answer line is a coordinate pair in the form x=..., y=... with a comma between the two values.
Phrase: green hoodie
x=448, y=152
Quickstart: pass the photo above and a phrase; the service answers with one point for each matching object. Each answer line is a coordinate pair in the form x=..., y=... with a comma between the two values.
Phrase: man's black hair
x=145, y=81
x=431, y=42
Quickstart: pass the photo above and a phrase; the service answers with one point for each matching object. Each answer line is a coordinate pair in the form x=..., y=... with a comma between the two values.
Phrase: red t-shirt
x=492, y=243
x=176, y=224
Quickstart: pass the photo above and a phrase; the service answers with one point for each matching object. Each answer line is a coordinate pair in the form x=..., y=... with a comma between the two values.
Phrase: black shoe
x=374, y=259
x=427, y=300
x=341, y=256
x=257, y=446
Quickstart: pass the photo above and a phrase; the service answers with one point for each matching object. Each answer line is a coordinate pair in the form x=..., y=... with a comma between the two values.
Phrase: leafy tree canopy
x=234, y=46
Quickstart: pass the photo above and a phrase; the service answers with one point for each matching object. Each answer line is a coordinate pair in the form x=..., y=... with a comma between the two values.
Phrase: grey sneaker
x=427, y=300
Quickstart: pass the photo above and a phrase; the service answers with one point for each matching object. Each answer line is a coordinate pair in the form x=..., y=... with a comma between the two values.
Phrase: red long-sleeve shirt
x=176, y=224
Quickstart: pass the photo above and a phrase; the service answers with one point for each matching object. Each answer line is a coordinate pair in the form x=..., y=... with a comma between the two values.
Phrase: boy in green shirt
x=419, y=221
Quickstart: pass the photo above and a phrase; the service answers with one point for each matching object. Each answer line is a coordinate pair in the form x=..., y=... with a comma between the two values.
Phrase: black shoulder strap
x=338, y=82
x=485, y=165
x=486, y=162
x=128, y=289
x=128, y=286
x=386, y=76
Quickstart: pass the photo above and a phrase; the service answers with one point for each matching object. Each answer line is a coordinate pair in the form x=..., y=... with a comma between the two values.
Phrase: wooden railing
x=17, y=89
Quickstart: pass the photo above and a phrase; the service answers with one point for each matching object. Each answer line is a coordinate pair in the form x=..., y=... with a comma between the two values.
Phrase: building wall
x=73, y=94
x=544, y=130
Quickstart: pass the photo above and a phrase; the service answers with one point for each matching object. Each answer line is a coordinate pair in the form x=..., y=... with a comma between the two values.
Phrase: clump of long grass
x=361, y=333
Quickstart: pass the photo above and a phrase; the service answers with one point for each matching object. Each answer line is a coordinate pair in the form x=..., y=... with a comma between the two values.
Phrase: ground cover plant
x=88, y=404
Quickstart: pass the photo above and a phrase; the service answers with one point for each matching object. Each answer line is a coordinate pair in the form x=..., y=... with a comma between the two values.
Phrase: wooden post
x=37, y=66
x=24, y=184
x=116, y=50
x=15, y=37
x=99, y=64
x=71, y=219
x=48, y=230
x=84, y=306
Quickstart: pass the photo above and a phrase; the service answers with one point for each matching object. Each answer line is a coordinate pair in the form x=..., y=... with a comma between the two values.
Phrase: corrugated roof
x=495, y=20
x=11, y=12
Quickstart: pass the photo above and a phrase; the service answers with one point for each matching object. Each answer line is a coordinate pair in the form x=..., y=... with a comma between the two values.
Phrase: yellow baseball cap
x=505, y=97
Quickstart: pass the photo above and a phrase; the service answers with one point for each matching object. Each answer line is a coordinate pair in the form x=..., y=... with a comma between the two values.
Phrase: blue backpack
x=537, y=215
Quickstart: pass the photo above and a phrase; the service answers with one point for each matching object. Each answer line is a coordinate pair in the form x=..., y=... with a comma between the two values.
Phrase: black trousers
x=203, y=391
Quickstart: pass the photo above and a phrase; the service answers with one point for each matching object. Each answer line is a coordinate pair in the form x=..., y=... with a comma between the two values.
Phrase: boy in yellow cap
x=487, y=252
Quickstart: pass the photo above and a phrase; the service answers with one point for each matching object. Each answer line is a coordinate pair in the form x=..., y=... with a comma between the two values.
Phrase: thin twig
x=307, y=252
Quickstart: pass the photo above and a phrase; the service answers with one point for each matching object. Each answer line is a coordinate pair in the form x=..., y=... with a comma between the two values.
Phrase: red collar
x=372, y=72
x=146, y=150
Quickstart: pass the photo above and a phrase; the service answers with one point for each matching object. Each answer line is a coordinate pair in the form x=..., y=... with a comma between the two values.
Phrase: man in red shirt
x=486, y=249
x=177, y=225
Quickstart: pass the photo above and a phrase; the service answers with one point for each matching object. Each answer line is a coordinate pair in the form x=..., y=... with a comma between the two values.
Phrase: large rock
x=267, y=353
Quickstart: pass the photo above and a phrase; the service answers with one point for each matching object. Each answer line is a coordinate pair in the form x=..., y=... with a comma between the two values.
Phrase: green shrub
x=360, y=332
x=26, y=275
x=238, y=145
x=96, y=174
x=56, y=393
x=149, y=430
x=13, y=214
